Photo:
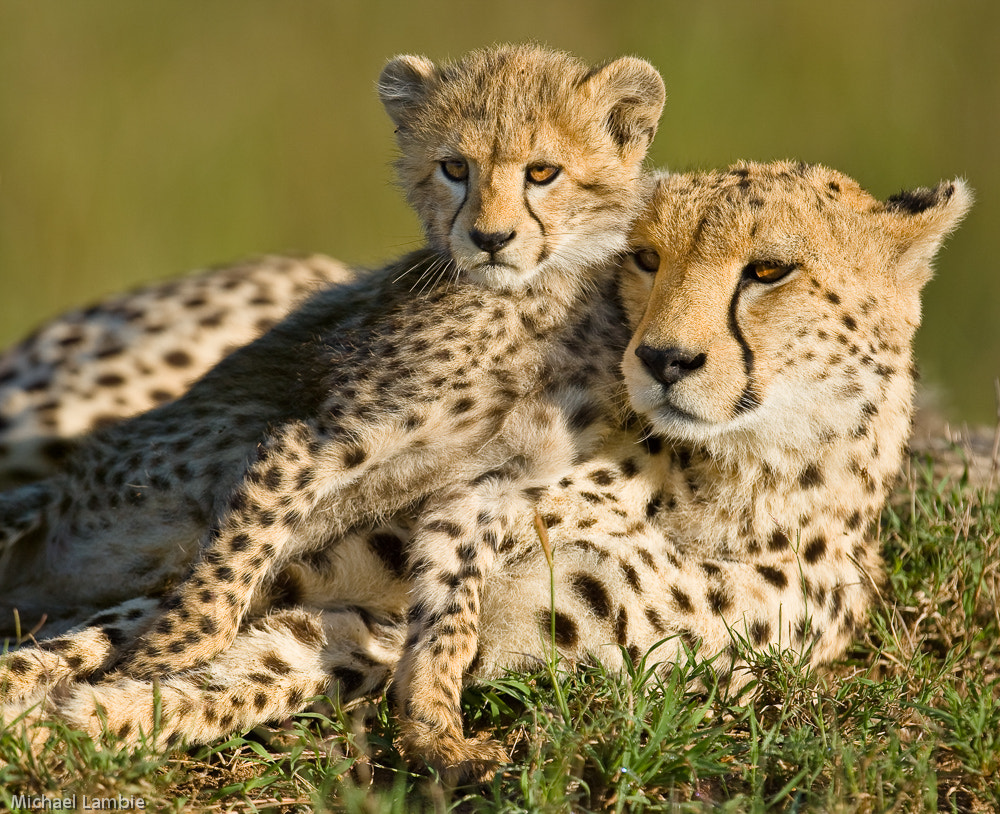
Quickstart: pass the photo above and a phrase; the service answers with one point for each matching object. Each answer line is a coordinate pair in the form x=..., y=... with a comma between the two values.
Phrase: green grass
x=909, y=721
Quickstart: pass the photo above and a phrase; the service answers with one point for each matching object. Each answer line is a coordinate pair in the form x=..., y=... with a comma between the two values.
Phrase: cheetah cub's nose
x=491, y=241
x=669, y=365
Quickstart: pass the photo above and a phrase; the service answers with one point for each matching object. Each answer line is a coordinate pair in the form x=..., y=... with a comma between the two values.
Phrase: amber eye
x=647, y=259
x=766, y=271
x=542, y=174
x=455, y=169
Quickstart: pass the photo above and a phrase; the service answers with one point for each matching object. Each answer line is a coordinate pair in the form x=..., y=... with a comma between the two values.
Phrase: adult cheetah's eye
x=455, y=169
x=542, y=174
x=647, y=260
x=764, y=271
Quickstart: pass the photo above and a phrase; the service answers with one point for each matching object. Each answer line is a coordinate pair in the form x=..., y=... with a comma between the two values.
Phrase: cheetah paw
x=458, y=759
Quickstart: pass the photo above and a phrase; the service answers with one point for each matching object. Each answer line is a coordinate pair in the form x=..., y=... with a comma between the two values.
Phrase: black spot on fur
x=647, y=558
x=653, y=444
x=240, y=541
x=567, y=634
x=178, y=358
x=774, y=576
x=463, y=405
x=629, y=468
x=602, y=477
x=778, y=541
x=272, y=478
x=654, y=620
x=760, y=632
x=275, y=664
x=631, y=576
x=593, y=594
x=621, y=627
x=18, y=665
x=718, y=600
x=681, y=599
x=814, y=550
x=115, y=636
x=710, y=569
x=811, y=477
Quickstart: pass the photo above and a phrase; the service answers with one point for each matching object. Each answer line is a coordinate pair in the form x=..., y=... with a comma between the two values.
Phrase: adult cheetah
x=773, y=308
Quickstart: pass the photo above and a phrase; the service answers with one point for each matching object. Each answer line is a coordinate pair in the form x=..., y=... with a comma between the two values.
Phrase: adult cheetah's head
x=776, y=303
x=522, y=162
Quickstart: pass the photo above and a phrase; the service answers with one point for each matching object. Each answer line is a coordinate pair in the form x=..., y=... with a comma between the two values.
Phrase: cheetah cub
x=95, y=366
x=463, y=399
x=773, y=308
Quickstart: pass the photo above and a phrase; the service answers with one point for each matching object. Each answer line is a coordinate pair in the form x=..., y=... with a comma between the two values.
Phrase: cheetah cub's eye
x=542, y=174
x=765, y=271
x=455, y=169
x=647, y=260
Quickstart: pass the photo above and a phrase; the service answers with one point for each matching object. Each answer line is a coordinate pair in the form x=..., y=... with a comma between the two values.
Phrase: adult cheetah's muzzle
x=669, y=365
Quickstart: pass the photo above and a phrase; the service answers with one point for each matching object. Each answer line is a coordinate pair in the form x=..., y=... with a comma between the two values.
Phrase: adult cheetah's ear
x=403, y=86
x=920, y=220
x=632, y=94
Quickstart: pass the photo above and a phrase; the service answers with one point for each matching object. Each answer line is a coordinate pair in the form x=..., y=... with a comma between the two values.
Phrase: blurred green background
x=143, y=138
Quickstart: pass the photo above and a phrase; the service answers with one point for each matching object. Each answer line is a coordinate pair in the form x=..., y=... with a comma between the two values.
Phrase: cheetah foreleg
x=454, y=551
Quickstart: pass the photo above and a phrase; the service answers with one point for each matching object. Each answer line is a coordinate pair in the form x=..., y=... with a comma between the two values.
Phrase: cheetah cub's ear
x=918, y=221
x=630, y=95
x=403, y=86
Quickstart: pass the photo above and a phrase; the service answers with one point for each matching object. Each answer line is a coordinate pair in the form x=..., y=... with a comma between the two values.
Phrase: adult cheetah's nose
x=491, y=241
x=669, y=365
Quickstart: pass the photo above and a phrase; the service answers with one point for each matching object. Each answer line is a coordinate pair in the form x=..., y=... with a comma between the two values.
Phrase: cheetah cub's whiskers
x=464, y=400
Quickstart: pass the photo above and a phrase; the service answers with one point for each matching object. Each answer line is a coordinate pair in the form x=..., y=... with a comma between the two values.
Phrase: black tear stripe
x=458, y=210
x=543, y=255
x=748, y=399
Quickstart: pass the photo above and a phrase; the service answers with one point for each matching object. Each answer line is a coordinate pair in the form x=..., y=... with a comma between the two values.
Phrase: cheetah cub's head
x=774, y=304
x=523, y=163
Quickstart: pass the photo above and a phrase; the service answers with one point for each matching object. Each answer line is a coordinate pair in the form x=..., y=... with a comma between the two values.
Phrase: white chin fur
x=569, y=258
x=786, y=420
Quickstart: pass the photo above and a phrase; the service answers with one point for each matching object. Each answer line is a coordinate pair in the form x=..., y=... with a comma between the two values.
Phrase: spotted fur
x=706, y=520
x=95, y=366
x=463, y=398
